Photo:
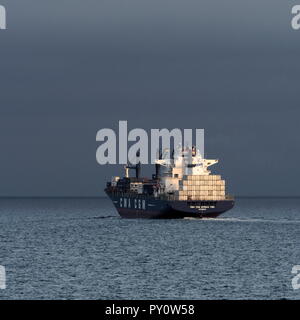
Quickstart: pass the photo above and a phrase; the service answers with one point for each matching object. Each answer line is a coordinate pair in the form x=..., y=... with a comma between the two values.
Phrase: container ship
x=182, y=187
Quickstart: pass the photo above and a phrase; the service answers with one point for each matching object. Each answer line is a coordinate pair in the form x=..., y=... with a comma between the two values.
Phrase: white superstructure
x=186, y=174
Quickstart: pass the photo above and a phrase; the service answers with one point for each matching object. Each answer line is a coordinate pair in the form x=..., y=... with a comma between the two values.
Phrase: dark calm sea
x=81, y=249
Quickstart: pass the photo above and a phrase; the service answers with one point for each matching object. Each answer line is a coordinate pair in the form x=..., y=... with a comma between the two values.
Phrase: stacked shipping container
x=201, y=187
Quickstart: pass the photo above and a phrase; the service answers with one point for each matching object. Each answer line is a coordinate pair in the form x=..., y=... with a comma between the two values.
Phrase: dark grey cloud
x=69, y=68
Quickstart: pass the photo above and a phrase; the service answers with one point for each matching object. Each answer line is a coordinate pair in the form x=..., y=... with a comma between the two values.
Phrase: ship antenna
x=157, y=165
x=138, y=165
x=126, y=167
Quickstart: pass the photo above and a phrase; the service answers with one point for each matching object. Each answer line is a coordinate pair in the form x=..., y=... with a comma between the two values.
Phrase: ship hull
x=149, y=207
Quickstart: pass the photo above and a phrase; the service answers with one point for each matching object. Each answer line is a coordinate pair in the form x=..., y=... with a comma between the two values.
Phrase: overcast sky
x=69, y=68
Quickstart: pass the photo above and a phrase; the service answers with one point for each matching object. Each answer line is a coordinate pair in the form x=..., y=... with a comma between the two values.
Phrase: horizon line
x=99, y=197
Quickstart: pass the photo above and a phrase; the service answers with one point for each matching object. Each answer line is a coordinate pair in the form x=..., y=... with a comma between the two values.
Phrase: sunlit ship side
x=182, y=187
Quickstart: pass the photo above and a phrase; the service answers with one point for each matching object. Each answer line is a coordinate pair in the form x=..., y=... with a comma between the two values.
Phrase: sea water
x=81, y=249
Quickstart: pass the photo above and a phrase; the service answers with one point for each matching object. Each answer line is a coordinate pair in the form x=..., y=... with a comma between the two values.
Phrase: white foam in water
x=246, y=220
